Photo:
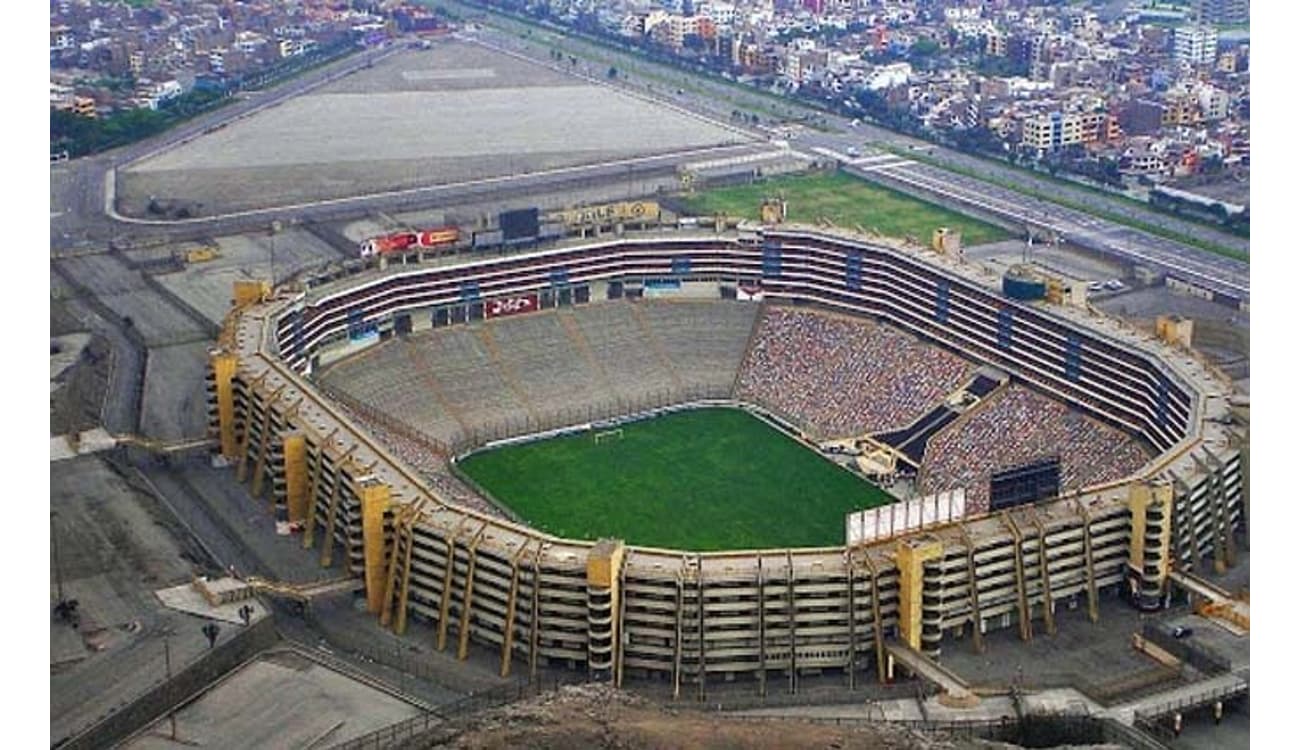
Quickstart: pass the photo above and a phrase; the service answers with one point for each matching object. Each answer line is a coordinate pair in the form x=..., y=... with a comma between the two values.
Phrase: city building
x=1196, y=45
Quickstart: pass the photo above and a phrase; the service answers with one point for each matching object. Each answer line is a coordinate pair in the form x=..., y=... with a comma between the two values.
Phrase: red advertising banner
x=503, y=306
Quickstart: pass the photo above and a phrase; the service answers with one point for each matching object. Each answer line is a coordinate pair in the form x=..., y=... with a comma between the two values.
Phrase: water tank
x=1023, y=284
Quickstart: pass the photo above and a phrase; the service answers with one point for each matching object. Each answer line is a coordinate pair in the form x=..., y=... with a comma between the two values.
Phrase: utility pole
x=167, y=659
x=276, y=226
x=58, y=563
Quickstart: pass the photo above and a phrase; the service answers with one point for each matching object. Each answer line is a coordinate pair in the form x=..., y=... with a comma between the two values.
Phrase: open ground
x=704, y=479
x=281, y=699
x=848, y=202
x=456, y=112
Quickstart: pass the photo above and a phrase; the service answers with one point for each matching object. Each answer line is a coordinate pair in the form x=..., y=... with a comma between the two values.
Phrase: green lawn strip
x=849, y=202
x=1142, y=226
x=703, y=480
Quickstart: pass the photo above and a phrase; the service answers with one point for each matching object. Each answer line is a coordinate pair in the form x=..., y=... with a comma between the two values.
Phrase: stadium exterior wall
x=693, y=619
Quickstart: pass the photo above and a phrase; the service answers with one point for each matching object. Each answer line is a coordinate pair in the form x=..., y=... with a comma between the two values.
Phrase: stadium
x=359, y=404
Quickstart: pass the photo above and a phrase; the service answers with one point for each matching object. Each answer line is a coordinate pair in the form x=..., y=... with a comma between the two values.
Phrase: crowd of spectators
x=1019, y=426
x=837, y=376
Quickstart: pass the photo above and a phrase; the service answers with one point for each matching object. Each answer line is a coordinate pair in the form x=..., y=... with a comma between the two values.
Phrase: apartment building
x=1196, y=45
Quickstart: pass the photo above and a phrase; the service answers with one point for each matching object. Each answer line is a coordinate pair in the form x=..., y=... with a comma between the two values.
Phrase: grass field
x=704, y=479
x=847, y=201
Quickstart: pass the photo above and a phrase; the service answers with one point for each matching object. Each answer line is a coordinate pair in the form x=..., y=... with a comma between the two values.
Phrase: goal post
x=606, y=435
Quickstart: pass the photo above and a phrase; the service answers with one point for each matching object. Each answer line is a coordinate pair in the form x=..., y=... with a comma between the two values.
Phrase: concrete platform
x=70, y=351
x=185, y=598
x=282, y=700
x=90, y=441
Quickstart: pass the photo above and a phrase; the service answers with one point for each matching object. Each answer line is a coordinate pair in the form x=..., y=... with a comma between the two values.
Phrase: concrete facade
x=693, y=619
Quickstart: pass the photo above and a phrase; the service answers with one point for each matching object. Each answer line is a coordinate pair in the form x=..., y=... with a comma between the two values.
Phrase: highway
x=82, y=214
x=1224, y=276
x=836, y=134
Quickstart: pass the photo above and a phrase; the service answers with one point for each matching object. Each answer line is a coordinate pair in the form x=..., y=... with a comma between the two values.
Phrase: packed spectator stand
x=837, y=376
x=1018, y=426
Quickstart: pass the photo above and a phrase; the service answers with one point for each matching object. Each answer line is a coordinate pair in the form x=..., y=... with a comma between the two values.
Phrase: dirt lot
x=598, y=716
x=595, y=716
x=456, y=112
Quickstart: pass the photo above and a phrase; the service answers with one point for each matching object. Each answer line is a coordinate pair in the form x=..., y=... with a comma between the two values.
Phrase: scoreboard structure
x=1027, y=483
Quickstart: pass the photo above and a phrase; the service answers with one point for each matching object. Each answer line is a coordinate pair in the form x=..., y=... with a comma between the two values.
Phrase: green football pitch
x=847, y=201
x=702, y=479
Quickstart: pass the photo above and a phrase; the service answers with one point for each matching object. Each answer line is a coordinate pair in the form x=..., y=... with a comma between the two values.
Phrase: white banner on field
x=894, y=519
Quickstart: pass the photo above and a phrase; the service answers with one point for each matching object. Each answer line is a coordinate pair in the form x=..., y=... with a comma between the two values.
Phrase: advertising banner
x=901, y=517
x=503, y=306
x=609, y=213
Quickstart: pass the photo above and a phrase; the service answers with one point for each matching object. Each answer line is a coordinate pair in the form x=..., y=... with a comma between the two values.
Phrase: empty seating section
x=466, y=372
x=617, y=341
x=431, y=382
x=544, y=363
x=704, y=342
x=466, y=384
x=384, y=378
x=837, y=376
x=1018, y=426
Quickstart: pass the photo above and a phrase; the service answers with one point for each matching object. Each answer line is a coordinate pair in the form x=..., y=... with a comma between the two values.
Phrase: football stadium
x=697, y=455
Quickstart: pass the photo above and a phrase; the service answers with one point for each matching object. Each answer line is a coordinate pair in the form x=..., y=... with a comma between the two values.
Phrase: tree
x=924, y=48
x=613, y=72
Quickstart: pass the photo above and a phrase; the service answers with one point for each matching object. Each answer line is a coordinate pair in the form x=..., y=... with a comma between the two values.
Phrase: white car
x=1095, y=286
x=1114, y=284
x=853, y=151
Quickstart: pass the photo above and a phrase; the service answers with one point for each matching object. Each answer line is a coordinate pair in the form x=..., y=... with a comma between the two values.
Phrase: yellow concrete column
x=295, y=476
x=251, y=291
x=604, y=562
x=1141, y=498
x=911, y=556
x=374, y=501
x=224, y=364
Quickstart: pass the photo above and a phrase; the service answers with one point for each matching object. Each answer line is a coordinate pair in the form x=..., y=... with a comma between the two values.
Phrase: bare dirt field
x=453, y=113
x=597, y=716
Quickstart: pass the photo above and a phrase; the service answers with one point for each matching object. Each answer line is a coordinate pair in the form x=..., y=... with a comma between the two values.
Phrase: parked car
x=1182, y=631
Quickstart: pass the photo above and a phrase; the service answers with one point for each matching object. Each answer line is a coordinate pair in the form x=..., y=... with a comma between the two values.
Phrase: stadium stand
x=465, y=385
x=836, y=376
x=1016, y=427
x=697, y=621
x=618, y=343
x=543, y=363
x=397, y=378
x=384, y=379
x=704, y=342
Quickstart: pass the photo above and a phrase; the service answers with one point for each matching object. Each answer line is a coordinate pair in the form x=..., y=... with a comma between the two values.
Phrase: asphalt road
x=78, y=188
x=1223, y=275
x=838, y=134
